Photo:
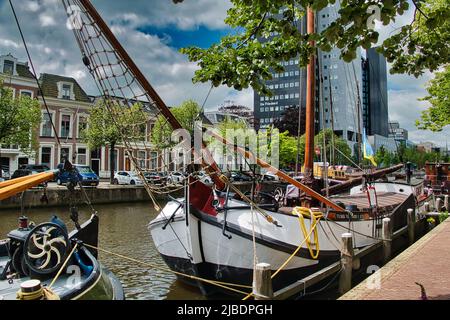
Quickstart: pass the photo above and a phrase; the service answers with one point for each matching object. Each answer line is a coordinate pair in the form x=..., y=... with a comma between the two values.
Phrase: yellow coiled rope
x=314, y=216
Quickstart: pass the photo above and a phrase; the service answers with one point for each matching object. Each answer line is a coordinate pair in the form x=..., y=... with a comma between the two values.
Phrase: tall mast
x=358, y=106
x=100, y=26
x=310, y=111
x=300, y=107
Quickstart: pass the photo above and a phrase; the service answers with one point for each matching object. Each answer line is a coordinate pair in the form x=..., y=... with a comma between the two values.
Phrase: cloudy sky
x=153, y=31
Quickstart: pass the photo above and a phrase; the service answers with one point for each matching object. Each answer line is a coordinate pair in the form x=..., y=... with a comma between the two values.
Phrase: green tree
x=186, y=114
x=109, y=124
x=289, y=149
x=289, y=121
x=20, y=119
x=241, y=60
x=438, y=115
x=341, y=157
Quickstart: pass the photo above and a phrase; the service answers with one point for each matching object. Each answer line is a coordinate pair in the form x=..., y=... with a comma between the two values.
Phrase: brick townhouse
x=69, y=108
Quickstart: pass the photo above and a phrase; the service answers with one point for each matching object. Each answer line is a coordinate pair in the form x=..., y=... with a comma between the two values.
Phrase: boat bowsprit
x=46, y=262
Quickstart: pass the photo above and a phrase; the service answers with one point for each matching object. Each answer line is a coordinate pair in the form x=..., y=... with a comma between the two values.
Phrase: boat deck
x=385, y=200
x=64, y=283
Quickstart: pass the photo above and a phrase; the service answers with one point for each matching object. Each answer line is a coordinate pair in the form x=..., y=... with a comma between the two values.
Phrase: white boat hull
x=201, y=249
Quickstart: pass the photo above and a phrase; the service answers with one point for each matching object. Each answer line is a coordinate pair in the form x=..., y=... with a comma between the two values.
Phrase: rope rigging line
x=225, y=285
x=118, y=85
x=34, y=71
x=290, y=257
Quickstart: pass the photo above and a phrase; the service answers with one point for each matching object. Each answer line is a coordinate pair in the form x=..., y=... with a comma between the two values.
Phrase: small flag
x=367, y=148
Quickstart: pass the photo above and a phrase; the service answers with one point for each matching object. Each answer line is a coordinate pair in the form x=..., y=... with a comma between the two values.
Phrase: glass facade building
x=375, y=94
x=337, y=86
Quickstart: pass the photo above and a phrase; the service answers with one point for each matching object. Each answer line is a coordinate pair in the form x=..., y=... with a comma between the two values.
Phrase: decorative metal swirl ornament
x=46, y=248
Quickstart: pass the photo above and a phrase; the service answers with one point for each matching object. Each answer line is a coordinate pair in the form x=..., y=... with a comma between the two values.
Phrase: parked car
x=203, y=177
x=176, y=177
x=6, y=174
x=153, y=177
x=127, y=177
x=85, y=174
x=269, y=176
x=27, y=172
x=35, y=167
x=163, y=176
x=240, y=176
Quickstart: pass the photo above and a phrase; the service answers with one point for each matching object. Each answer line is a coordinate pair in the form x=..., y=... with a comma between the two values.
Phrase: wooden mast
x=310, y=112
x=211, y=167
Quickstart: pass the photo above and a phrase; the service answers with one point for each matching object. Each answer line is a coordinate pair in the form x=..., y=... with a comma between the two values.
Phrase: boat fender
x=87, y=270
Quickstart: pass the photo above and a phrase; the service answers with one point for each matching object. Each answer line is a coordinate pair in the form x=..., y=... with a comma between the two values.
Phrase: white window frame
x=145, y=159
x=52, y=154
x=63, y=145
x=117, y=169
x=88, y=153
x=84, y=115
x=27, y=91
x=52, y=133
x=70, y=124
x=60, y=89
x=151, y=160
x=9, y=58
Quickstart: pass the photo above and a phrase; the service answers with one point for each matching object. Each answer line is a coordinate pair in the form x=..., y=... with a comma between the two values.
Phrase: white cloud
x=8, y=43
x=405, y=107
x=54, y=50
x=31, y=6
x=188, y=15
x=46, y=21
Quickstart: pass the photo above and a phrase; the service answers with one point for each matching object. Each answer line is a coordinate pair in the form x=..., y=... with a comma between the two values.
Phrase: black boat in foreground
x=46, y=262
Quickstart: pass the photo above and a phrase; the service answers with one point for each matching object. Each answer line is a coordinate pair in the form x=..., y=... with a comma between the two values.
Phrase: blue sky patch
x=176, y=38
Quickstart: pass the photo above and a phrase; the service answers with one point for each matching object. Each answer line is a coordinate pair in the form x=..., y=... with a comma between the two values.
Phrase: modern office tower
x=338, y=88
x=375, y=95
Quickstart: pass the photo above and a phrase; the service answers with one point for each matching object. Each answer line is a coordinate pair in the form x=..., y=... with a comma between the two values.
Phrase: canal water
x=123, y=230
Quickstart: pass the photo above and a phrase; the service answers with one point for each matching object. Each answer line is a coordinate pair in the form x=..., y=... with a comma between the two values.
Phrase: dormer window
x=8, y=67
x=65, y=91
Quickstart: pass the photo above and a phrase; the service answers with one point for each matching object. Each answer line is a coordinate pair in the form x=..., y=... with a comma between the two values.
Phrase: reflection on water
x=123, y=230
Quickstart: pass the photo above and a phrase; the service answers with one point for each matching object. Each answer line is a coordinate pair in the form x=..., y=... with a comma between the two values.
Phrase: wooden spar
x=210, y=168
x=279, y=173
x=310, y=103
x=17, y=180
x=356, y=181
x=25, y=184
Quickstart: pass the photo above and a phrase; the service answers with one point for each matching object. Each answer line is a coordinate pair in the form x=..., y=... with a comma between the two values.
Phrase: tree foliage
x=438, y=115
x=339, y=144
x=289, y=121
x=186, y=114
x=108, y=125
x=418, y=157
x=20, y=119
x=289, y=148
x=241, y=60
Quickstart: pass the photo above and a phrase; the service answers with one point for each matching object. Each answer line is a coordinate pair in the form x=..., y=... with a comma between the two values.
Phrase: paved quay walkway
x=427, y=262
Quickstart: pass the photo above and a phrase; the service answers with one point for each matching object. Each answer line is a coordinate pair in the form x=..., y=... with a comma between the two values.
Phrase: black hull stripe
x=235, y=275
x=263, y=240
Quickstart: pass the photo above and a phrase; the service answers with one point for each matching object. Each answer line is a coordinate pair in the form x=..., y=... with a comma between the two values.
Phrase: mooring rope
x=225, y=285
